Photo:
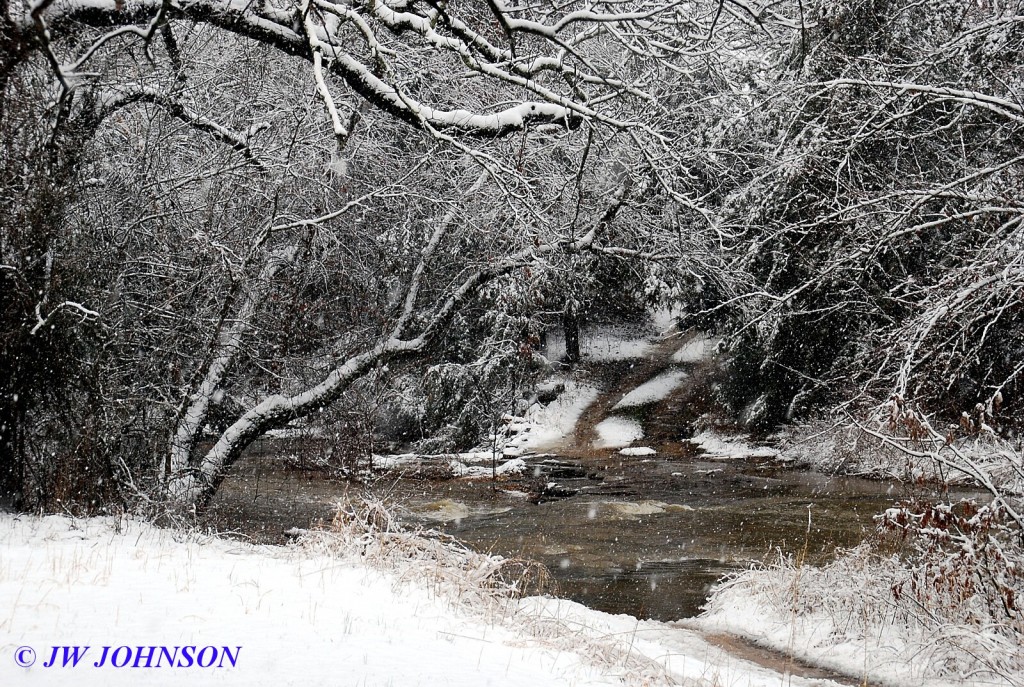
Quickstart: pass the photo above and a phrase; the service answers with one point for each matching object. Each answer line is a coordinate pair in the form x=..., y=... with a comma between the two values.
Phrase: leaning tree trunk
x=194, y=413
x=196, y=486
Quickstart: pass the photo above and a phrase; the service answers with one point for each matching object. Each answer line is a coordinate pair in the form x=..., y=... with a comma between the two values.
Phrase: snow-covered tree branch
x=196, y=484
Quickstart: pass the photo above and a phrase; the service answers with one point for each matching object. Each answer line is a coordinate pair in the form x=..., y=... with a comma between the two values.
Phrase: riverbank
x=358, y=604
x=873, y=451
x=893, y=622
x=654, y=521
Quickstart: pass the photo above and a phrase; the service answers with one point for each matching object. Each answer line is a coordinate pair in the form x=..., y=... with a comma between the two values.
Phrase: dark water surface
x=653, y=536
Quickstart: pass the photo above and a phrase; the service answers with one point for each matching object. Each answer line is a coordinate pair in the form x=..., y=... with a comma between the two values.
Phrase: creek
x=643, y=535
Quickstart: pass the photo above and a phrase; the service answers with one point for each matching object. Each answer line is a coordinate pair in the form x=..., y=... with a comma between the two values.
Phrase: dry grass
x=863, y=602
x=368, y=530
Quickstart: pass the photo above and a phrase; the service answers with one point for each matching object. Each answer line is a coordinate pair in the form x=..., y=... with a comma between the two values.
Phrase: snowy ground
x=656, y=389
x=309, y=614
x=844, y=616
x=549, y=424
x=616, y=432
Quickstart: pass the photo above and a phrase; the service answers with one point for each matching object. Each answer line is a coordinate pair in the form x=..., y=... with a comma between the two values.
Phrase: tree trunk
x=194, y=413
x=12, y=467
x=571, y=327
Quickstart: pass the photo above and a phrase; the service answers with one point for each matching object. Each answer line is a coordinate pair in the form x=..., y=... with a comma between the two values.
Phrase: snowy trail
x=664, y=386
x=656, y=373
x=656, y=360
x=295, y=616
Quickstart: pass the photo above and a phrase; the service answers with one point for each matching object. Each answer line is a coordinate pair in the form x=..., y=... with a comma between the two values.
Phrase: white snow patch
x=653, y=390
x=638, y=451
x=696, y=349
x=616, y=432
x=509, y=467
x=718, y=446
x=295, y=432
x=546, y=425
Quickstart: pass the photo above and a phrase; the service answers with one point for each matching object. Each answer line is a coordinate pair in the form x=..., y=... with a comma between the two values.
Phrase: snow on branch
x=1000, y=106
x=43, y=321
x=124, y=97
x=554, y=62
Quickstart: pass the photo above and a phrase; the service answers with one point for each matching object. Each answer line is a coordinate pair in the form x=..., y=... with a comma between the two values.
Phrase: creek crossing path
x=643, y=535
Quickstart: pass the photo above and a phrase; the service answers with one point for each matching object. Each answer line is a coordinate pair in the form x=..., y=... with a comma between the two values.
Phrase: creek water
x=645, y=536
x=651, y=536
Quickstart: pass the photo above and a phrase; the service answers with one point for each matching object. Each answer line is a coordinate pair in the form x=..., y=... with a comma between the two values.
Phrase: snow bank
x=542, y=427
x=846, y=617
x=380, y=608
x=638, y=451
x=509, y=467
x=548, y=424
x=299, y=617
x=616, y=432
x=670, y=655
x=653, y=390
x=847, y=449
x=457, y=464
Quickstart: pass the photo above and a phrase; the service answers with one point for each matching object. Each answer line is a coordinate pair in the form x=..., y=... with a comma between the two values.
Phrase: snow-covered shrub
x=968, y=563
